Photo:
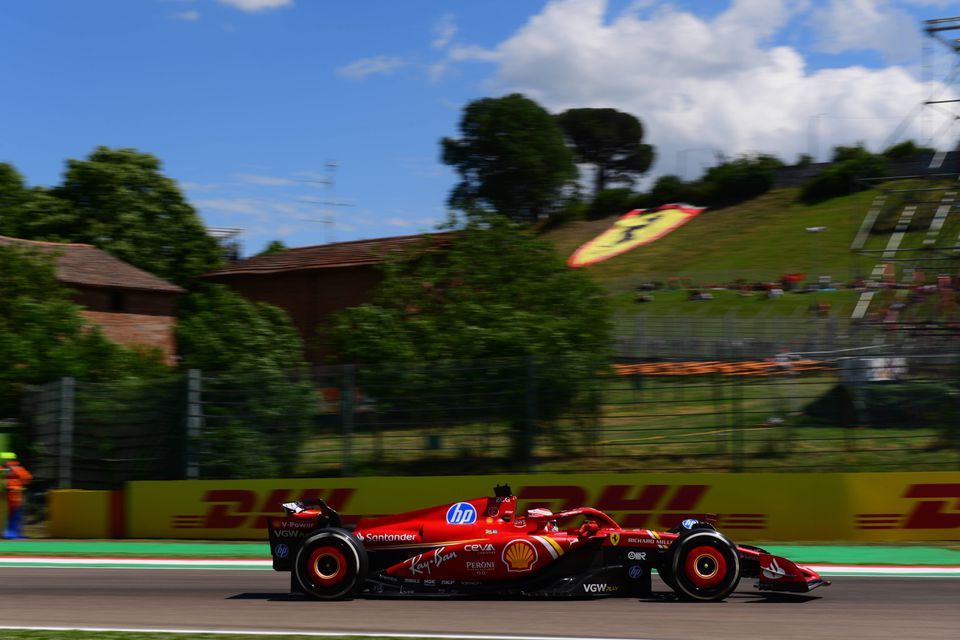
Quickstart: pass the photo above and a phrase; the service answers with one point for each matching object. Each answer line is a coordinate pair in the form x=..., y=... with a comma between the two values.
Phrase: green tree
x=259, y=401
x=13, y=194
x=222, y=331
x=497, y=296
x=666, y=190
x=906, y=150
x=613, y=202
x=611, y=141
x=274, y=246
x=511, y=158
x=738, y=180
x=841, y=178
x=118, y=200
x=43, y=336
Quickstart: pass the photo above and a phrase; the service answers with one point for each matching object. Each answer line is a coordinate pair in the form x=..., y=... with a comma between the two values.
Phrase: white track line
x=315, y=634
x=843, y=569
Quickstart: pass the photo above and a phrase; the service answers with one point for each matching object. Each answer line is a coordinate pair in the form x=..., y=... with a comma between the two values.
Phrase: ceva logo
x=461, y=513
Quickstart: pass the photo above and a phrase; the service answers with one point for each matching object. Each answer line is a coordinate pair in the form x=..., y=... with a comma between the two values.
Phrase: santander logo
x=773, y=570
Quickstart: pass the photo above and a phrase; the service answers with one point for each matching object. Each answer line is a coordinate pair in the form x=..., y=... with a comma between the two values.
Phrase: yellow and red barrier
x=771, y=507
x=73, y=513
x=721, y=367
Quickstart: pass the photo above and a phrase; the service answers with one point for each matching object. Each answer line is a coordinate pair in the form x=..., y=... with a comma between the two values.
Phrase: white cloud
x=701, y=86
x=444, y=31
x=932, y=3
x=364, y=67
x=199, y=186
x=399, y=222
x=230, y=205
x=187, y=16
x=267, y=181
x=253, y=6
x=869, y=25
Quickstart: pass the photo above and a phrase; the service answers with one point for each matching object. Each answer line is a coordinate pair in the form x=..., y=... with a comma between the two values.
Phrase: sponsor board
x=768, y=507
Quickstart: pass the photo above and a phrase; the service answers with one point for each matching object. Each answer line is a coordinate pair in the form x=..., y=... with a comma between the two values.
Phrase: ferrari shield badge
x=634, y=229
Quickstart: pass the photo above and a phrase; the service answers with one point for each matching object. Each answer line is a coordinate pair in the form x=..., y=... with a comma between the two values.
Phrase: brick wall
x=131, y=329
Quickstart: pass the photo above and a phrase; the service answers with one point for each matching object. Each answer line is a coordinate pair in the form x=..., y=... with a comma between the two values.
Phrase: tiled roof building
x=311, y=283
x=132, y=306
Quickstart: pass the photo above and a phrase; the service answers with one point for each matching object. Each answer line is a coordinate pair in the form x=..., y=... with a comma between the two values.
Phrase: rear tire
x=705, y=566
x=331, y=565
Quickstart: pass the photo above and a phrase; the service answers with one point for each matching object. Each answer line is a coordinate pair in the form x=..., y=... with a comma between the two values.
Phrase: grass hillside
x=759, y=240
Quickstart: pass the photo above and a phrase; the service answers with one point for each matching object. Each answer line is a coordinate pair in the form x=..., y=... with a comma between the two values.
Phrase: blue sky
x=247, y=102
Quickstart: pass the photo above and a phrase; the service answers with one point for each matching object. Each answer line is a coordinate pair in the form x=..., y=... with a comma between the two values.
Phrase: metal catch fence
x=729, y=412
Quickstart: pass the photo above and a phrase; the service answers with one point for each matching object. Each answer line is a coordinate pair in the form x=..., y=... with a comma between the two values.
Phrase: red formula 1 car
x=485, y=547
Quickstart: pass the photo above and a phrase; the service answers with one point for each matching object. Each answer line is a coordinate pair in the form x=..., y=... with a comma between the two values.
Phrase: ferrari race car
x=485, y=547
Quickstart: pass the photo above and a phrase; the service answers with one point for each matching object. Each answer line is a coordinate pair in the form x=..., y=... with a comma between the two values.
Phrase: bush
x=888, y=405
x=611, y=202
x=840, y=179
x=740, y=180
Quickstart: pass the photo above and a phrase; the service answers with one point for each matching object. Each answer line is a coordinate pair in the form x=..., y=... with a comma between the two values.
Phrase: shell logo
x=520, y=555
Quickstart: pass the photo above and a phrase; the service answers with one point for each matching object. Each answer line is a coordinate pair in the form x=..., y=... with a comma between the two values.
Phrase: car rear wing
x=322, y=508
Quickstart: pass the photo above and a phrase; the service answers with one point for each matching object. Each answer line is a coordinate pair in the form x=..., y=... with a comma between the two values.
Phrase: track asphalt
x=908, y=555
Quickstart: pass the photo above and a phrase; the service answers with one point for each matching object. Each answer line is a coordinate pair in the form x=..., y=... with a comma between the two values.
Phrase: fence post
x=346, y=416
x=194, y=422
x=737, y=416
x=67, y=396
x=530, y=425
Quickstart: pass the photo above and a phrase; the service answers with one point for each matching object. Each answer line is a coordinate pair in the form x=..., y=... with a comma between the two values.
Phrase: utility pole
x=327, y=213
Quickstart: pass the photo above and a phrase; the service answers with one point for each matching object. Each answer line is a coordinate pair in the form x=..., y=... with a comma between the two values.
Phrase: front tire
x=705, y=566
x=331, y=565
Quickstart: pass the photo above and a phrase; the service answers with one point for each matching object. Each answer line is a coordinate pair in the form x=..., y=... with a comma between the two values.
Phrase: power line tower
x=941, y=31
x=910, y=231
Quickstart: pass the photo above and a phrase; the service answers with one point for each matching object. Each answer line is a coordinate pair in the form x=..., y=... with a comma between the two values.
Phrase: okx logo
x=461, y=513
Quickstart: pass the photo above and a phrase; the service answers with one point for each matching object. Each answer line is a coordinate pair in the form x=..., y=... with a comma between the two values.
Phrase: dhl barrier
x=719, y=367
x=762, y=507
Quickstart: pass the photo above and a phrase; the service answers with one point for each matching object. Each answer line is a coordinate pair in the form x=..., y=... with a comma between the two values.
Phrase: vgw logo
x=461, y=513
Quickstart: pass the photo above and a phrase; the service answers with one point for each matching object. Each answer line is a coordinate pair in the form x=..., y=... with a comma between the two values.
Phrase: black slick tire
x=704, y=566
x=331, y=565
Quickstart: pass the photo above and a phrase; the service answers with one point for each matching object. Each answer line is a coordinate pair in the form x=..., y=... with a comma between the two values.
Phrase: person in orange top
x=16, y=478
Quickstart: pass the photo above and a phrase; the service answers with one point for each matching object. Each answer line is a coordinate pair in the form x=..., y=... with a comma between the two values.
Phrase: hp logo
x=281, y=550
x=635, y=572
x=461, y=513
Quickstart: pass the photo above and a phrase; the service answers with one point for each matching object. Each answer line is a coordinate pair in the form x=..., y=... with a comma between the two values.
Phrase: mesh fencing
x=731, y=411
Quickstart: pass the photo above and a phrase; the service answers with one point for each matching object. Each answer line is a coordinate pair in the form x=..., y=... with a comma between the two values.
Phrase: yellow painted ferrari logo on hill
x=634, y=229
